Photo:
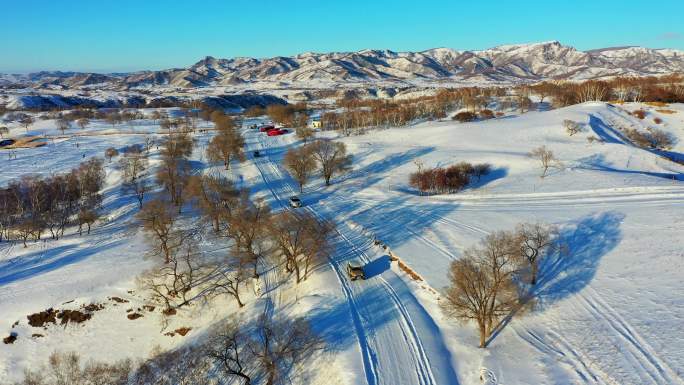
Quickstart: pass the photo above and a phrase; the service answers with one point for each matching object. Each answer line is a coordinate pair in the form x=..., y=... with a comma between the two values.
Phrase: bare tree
x=300, y=162
x=110, y=153
x=572, y=127
x=304, y=133
x=481, y=284
x=591, y=91
x=26, y=121
x=158, y=219
x=215, y=196
x=248, y=228
x=282, y=344
x=545, y=157
x=67, y=368
x=225, y=146
x=332, y=158
x=63, y=124
x=228, y=347
x=301, y=240
x=534, y=241
x=173, y=282
x=86, y=217
x=174, y=171
x=133, y=165
x=272, y=348
x=227, y=277
x=523, y=98
x=83, y=123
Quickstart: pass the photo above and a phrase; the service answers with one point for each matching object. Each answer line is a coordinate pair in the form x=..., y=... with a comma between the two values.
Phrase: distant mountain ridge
x=505, y=63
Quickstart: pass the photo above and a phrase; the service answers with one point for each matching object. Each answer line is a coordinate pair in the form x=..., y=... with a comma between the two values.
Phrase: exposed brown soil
x=93, y=307
x=170, y=311
x=118, y=299
x=134, y=316
x=42, y=318
x=73, y=316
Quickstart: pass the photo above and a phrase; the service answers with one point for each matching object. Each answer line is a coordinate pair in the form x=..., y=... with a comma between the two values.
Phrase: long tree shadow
x=605, y=132
x=610, y=135
x=597, y=162
x=573, y=264
x=41, y=262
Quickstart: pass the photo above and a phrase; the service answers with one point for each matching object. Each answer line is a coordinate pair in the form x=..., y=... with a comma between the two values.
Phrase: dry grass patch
x=664, y=111
x=656, y=104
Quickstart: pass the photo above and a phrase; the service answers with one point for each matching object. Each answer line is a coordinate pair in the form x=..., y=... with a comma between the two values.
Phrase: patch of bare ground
x=134, y=316
x=180, y=331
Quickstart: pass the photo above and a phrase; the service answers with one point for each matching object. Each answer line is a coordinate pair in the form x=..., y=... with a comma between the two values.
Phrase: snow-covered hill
x=506, y=63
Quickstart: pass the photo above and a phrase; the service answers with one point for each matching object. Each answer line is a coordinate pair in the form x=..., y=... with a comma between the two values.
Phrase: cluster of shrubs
x=652, y=138
x=464, y=116
x=447, y=180
x=641, y=114
x=468, y=116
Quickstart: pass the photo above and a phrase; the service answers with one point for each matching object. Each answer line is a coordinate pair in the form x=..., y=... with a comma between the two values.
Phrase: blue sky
x=126, y=35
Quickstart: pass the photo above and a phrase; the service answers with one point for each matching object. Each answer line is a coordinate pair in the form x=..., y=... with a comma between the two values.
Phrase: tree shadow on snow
x=582, y=245
x=597, y=162
x=573, y=264
x=44, y=261
x=605, y=132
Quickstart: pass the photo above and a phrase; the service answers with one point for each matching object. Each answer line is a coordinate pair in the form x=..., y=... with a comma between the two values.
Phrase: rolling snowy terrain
x=608, y=309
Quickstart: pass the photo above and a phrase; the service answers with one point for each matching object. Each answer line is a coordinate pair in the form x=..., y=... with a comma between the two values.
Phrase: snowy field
x=609, y=310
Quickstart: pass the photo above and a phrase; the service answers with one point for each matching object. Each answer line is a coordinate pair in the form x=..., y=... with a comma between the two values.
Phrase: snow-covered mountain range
x=506, y=63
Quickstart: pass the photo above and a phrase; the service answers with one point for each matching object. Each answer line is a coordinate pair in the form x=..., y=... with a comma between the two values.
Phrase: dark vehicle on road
x=355, y=272
x=295, y=202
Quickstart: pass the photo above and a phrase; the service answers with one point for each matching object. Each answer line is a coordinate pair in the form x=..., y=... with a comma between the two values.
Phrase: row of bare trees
x=35, y=204
x=668, y=89
x=485, y=281
x=330, y=157
x=354, y=116
x=296, y=243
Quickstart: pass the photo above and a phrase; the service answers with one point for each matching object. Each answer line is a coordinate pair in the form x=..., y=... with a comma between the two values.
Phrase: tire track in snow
x=554, y=344
x=634, y=345
x=368, y=355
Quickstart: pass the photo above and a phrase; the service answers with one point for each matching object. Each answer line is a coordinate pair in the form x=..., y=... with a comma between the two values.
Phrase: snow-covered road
x=398, y=340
